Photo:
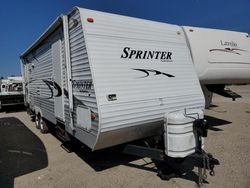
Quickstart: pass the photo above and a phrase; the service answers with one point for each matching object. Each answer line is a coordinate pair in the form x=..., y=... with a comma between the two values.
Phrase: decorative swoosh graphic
x=229, y=50
x=66, y=93
x=58, y=88
x=148, y=71
x=49, y=83
x=52, y=84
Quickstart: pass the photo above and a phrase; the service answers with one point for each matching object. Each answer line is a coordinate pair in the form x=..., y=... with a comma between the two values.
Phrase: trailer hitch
x=212, y=163
x=206, y=160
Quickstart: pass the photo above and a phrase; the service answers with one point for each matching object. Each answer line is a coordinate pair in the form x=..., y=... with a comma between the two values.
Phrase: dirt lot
x=31, y=159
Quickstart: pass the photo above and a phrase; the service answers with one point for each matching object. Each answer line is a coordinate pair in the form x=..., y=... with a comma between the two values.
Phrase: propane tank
x=179, y=136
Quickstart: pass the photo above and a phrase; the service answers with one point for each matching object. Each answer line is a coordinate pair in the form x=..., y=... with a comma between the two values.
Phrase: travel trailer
x=11, y=92
x=220, y=57
x=108, y=83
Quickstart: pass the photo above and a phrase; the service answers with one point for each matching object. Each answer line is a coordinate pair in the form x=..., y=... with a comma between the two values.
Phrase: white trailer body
x=111, y=79
x=220, y=57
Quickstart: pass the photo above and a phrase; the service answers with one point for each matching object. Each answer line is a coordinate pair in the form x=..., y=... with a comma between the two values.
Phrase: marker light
x=93, y=116
x=90, y=20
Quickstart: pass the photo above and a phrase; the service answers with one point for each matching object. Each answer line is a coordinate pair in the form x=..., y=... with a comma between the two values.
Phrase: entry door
x=57, y=79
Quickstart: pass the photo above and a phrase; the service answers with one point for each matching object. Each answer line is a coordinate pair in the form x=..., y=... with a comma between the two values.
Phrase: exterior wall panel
x=80, y=71
x=142, y=97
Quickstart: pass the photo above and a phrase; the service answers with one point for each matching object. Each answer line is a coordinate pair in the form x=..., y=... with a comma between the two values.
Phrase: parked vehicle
x=11, y=92
x=107, y=79
x=220, y=57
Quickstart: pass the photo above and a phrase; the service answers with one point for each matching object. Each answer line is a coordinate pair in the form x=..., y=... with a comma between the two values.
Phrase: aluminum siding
x=81, y=71
x=40, y=69
x=139, y=100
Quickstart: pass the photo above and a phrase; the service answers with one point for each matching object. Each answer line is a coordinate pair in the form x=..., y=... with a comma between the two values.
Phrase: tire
x=43, y=126
x=37, y=121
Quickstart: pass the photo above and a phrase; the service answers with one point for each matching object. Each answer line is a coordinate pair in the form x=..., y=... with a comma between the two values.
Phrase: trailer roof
x=57, y=22
x=214, y=29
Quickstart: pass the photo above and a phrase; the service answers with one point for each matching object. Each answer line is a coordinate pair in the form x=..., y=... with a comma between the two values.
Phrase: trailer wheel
x=37, y=121
x=43, y=126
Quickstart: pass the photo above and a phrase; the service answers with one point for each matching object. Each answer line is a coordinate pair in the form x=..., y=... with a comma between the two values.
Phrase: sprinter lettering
x=129, y=53
x=82, y=85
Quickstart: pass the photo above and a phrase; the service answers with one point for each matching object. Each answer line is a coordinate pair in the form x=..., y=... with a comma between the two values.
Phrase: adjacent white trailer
x=220, y=57
x=108, y=79
x=11, y=91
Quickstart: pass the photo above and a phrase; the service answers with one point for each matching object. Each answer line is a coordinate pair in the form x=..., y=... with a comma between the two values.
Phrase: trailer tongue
x=183, y=138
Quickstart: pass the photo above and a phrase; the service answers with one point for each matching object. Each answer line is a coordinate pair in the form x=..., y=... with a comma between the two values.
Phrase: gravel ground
x=31, y=159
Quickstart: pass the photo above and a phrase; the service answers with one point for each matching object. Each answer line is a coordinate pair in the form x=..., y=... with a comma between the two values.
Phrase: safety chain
x=204, y=175
x=206, y=164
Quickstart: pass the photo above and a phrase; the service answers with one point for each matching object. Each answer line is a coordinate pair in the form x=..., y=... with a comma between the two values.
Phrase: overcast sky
x=23, y=21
